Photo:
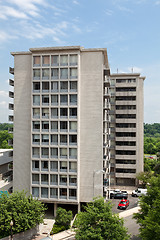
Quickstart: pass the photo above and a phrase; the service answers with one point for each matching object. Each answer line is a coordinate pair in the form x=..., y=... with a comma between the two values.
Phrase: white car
x=139, y=192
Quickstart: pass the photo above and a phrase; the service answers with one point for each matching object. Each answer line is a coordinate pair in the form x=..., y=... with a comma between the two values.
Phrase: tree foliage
x=152, y=130
x=23, y=210
x=5, y=126
x=148, y=216
x=98, y=222
x=62, y=220
x=4, y=137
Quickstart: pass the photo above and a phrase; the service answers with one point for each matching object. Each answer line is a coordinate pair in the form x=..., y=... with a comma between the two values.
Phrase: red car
x=123, y=204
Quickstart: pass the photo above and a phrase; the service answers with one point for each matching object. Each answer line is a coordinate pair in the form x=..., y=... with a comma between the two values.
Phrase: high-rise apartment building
x=75, y=125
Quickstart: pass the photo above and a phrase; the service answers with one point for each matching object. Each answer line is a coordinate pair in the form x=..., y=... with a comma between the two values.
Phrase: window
x=54, y=166
x=73, y=60
x=54, y=179
x=63, y=193
x=72, y=167
x=36, y=61
x=36, y=113
x=123, y=161
x=54, y=152
x=125, y=98
x=73, y=126
x=45, y=86
x=55, y=60
x=73, y=86
x=73, y=73
x=44, y=179
x=45, y=60
x=45, y=99
x=63, y=112
x=54, y=112
x=63, y=126
x=55, y=73
x=44, y=152
x=73, y=99
x=45, y=139
x=35, y=165
x=72, y=194
x=44, y=192
x=45, y=126
x=132, y=116
x=64, y=73
x=63, y=166
x=64, y=60
x=125, y=89
x=45, y=112
x=54, y=100
x=125, y=143
x=35, y=152
x=125, y=152
x=36, y=87
x=36, y=74
x=63, y=139
x=125, y=134
x=73, y=153
x=45, y=74
x=54, y=87
x=64, y=99
x=54, y=139
x=35, y=178
x=53, y=193
x=64, y=86
x=63, y=180
x=36, y=139
x=35, y=192
x=73, y=180
x=125, y=125
x=121, y=107
x=36, y=126
x=73, y=113
x=72, y=139
x=124, y=170
x=36, y=100
x=54, y=126
x=63, y=152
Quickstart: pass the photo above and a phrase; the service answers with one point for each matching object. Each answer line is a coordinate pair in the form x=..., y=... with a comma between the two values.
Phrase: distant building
x=6, y=163
x=69, y=139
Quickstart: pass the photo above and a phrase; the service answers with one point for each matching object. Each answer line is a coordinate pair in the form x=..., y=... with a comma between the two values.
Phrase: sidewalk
x=129, y=212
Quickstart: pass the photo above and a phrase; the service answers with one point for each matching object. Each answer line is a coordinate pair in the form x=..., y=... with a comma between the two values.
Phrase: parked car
x=139, y=192
x=123, y=204
x=118, y=194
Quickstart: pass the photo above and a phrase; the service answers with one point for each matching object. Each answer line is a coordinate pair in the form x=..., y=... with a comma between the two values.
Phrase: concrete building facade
x=68, y=133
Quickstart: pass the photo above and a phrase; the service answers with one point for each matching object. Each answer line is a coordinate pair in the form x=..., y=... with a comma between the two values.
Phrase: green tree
x=144, y=177
x=148, y=216
x=98, y=222
x=4, y=137
x=23, y=210
x=62, y=220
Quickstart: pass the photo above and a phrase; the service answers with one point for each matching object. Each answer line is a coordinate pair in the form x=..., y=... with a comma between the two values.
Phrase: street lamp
x=11, y=225
x=94, y=172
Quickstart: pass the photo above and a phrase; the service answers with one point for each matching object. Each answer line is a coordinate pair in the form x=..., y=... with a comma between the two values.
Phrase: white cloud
x=109, y=12
x=3, y=104
x=6, y=11
x=4, y=93
x=75, y=2
x=157, y=3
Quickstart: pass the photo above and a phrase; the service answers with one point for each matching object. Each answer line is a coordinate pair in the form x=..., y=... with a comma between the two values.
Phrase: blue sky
x=129, y=29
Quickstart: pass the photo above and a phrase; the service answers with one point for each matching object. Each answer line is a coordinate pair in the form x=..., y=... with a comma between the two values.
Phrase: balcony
x=11, y=106
x=107, y=95
x=10, y=142
x=10, y=130
x=11, y=70
x=107, y=106
x=11, y=82
x=11, y=118
x=11, y=94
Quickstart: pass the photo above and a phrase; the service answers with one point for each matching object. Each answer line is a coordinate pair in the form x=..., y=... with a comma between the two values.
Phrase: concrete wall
x=91, y=125
x=22, y=122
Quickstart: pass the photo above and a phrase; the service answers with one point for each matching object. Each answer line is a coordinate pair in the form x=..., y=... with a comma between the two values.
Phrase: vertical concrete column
x=55, y=209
